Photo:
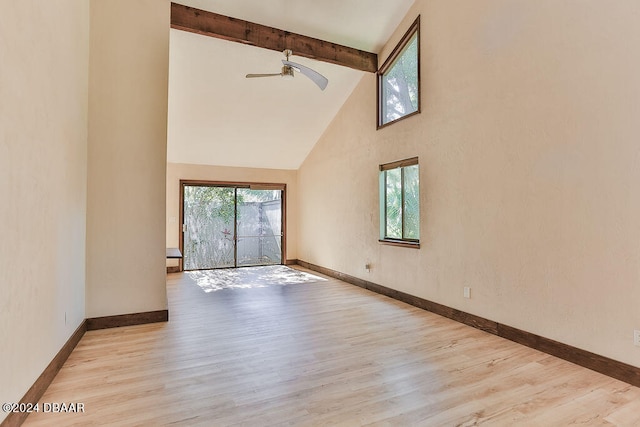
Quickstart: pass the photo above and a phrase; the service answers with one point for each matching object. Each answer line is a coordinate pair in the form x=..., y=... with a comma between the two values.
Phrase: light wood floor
x=321, y=353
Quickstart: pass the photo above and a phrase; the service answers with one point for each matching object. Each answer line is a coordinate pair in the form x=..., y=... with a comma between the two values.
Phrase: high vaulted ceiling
x=218, y=117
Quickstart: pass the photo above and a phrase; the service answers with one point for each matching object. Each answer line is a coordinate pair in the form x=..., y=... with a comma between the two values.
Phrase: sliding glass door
x=231, y=225
x=208, y=227
x=259, y=226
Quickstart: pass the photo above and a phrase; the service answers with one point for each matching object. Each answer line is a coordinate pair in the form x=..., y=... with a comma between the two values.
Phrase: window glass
x=399, y=79
x=411, y=206
x=400, y=84
x=400, y=201
x=394, y=203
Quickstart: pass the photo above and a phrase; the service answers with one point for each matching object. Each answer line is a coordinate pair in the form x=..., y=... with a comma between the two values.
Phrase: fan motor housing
x=287, y=72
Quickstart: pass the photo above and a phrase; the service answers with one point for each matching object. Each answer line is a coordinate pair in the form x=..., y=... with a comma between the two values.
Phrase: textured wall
x=44, y=69
x=127, y=156
x=529, y=167
x=178, y=171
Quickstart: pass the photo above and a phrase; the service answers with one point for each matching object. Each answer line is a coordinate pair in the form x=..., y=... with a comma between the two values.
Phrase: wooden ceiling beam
x=223, y=27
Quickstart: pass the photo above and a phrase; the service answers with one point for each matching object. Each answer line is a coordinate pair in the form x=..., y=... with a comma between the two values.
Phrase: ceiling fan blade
x=249, y=76
x=315, y=76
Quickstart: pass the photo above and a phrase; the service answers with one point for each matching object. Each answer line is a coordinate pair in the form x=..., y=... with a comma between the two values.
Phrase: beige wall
x=127, y=156
x=178, y=171
x=529, y=168
x=44, y=57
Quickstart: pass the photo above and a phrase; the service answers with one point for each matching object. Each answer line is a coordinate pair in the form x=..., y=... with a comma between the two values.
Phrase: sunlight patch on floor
x=250, y=277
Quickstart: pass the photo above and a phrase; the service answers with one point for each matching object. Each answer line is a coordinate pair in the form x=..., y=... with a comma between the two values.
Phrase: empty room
x=418, y=212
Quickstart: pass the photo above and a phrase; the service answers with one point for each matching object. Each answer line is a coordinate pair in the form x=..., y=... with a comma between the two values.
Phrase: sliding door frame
x=235, y=185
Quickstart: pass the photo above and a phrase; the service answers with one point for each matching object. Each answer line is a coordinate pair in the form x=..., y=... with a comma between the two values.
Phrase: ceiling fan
x=287, y=72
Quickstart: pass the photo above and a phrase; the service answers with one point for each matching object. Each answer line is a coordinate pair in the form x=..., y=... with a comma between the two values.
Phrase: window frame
x=391, y=59
x=400, y=164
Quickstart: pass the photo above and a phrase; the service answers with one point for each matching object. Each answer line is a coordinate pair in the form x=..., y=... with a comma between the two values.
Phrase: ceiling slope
x=218, y=117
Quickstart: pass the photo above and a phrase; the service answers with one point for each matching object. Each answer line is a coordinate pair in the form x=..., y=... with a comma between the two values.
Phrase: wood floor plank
x=319, y=352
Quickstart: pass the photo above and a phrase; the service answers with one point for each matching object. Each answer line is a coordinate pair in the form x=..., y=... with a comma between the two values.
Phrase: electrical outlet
x=636, y=337
x=466, y=292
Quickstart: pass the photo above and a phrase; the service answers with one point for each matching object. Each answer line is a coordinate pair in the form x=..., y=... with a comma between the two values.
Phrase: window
x=399, y=79
x=400, y=203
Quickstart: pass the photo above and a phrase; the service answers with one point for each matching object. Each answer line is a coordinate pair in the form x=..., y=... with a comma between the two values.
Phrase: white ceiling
x=218, y=117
